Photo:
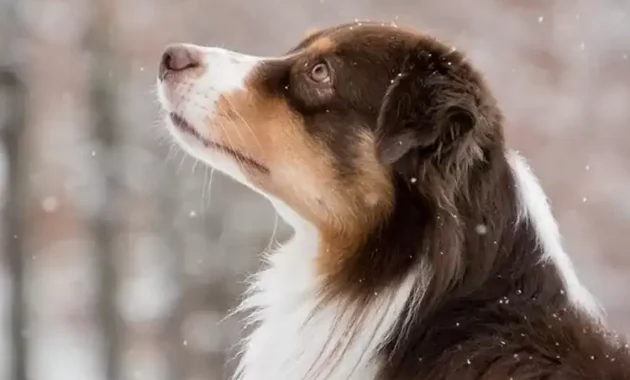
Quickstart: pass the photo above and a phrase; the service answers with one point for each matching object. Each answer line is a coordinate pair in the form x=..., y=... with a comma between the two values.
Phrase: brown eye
x=320, y=73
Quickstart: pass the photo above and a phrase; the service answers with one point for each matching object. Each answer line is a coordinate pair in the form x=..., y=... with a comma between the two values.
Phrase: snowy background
x=183, y=239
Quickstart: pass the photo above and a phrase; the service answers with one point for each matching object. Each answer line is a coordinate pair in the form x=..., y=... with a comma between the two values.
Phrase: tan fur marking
x=265, y=129
x=322, y=45
x=303, y=175
x=310, y=31
x=370, y=198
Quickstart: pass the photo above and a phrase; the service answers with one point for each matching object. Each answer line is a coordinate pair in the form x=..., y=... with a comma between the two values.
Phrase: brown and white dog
x=423, y=247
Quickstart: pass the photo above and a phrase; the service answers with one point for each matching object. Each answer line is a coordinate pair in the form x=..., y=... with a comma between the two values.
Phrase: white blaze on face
x=194, y=93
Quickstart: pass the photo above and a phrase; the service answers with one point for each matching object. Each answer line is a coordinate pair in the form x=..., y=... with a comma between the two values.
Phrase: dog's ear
x=428, y=105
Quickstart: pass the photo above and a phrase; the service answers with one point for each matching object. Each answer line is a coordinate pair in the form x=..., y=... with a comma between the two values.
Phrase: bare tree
x=106, y=219
x=14, y=212
x=12, y=126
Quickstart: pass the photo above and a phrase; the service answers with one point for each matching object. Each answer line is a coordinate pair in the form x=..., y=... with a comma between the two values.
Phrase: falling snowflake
x=50, y=204
x=541, y=19
x=192, y=214
x=481, y=229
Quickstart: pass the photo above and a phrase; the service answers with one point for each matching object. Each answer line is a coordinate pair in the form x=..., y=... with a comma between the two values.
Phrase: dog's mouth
x=182, y=124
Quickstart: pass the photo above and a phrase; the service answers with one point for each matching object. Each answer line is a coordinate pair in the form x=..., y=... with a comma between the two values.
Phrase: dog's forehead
x=357, y=36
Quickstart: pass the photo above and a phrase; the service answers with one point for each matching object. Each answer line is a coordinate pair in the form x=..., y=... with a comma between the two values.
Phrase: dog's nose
x=178, y=57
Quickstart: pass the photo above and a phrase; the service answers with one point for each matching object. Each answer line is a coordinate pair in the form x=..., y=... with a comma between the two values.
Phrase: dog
x=423, y=247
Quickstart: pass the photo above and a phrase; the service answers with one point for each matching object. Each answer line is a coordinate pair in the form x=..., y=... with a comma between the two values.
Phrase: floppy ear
x=425, y=108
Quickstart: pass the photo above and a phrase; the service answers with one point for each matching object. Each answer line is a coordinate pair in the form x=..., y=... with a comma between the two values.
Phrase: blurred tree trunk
x=12, y=127
x=107, y=217
x=15, y=212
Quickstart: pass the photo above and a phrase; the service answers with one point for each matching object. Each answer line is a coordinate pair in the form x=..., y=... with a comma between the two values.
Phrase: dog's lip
x=184, y=126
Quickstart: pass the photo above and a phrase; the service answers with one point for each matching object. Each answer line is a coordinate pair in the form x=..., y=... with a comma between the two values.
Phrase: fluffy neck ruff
x=303, y=334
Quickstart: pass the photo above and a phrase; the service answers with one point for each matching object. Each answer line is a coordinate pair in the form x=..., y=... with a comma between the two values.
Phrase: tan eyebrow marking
x=321, y=45
x=310, y=32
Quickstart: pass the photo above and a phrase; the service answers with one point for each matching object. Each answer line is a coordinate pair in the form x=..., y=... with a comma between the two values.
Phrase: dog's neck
x=301, y=336
x=298, y=335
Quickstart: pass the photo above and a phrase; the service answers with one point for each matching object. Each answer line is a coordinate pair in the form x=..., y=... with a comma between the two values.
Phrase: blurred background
x=122, y=257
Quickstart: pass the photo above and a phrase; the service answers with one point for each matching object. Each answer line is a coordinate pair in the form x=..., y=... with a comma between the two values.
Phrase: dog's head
x=331, y=130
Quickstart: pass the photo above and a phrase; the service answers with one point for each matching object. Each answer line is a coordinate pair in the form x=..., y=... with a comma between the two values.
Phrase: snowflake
x=50, y=204
x=481, y=229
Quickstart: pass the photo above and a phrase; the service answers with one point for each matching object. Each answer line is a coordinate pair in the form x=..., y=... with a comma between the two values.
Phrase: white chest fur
x=297, y=340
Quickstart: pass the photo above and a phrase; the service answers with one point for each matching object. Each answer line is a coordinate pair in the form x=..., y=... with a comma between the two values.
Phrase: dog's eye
x=320, y=73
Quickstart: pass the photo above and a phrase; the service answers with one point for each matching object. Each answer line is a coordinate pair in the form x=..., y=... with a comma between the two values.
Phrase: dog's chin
x=192, y=137
x=216, y=155
x=182, y=126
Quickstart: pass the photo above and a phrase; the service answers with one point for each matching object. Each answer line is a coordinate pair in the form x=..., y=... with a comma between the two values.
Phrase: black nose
x=178, y=57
